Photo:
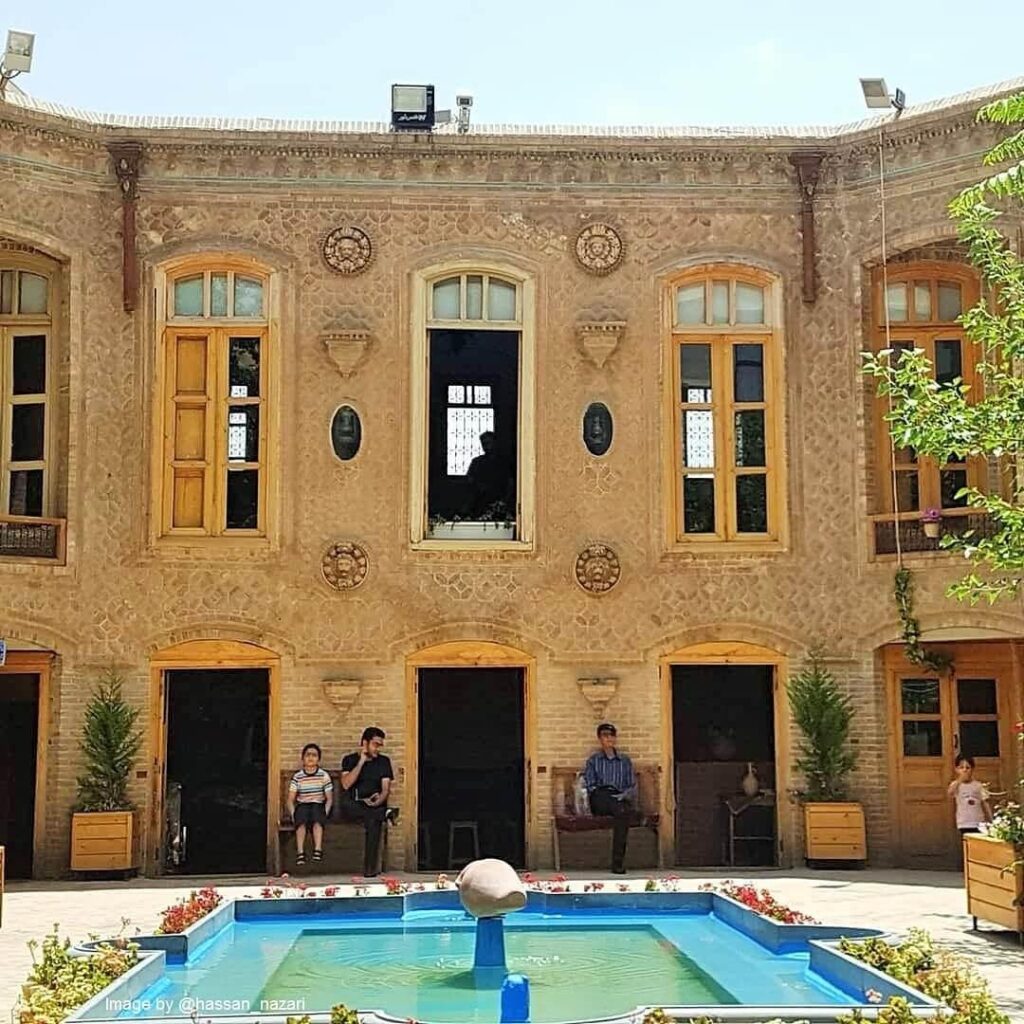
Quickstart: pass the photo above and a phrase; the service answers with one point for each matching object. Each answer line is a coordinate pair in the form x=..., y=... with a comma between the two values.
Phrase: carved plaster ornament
x=598, y=692
x=598, y=339
x=348, y=250
x=344, y=565
x=599, y=248
x=597, y=568
x=347, y=349
x=342, y=694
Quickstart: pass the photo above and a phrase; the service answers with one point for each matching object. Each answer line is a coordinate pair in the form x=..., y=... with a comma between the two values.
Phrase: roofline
x=75, y=117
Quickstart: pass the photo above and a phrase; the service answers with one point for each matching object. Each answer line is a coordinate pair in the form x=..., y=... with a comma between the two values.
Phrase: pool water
x=580, y=966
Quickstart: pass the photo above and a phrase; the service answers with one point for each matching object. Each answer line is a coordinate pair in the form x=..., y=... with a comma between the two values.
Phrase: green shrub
x=59, y=983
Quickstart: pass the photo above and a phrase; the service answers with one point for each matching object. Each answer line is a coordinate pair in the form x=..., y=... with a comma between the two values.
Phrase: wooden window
x=215, y=415
x=725, y=408
x=472, y=442
x=924, y=301
x=27, y=297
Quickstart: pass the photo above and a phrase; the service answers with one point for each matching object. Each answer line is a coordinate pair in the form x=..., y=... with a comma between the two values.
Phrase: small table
x=736, y=805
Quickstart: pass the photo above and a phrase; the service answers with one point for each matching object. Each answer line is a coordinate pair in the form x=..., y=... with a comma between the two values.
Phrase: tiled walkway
x=895, y=900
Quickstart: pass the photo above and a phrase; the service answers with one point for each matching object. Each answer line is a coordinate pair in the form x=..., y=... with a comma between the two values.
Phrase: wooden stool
x=462, y=826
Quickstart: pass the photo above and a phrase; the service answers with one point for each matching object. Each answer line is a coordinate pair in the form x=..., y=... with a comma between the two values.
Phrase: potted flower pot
x=931, y=522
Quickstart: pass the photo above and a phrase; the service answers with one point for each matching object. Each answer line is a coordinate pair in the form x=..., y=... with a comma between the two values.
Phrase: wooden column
x=808, y=166
x=127, y=156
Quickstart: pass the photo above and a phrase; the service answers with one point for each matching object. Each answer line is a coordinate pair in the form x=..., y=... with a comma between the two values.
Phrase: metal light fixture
x=463, y=103
x=17, y=58
x=877, y=95
x=412, y=108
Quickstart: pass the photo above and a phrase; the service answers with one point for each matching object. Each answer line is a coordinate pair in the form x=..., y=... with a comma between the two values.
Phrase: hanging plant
x=915, y=651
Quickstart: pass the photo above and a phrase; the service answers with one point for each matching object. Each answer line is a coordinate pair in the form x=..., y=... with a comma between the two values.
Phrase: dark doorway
x=723, y=721
x=474, y=392
x=19, y=725
x=471, y=766
x=217, y=743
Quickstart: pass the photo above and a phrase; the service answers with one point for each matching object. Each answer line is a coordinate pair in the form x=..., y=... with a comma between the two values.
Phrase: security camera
x=463, y=101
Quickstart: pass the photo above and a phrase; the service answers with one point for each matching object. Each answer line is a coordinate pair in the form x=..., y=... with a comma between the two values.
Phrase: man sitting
x=366, y=778
x=611, y=786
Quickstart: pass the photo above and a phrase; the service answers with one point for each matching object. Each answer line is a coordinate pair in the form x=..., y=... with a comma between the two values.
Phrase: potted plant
x=104, y=827
x=994, y=865
x=931, y=522
x=833, y=825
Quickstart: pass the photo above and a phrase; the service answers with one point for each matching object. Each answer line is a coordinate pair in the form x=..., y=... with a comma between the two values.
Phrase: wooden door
x=937, y=716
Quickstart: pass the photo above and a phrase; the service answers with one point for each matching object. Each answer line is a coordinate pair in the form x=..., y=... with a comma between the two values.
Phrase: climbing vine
x=915, y=651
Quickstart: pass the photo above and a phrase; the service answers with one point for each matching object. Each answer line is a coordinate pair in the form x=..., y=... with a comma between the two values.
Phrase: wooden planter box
x=993, y=893
x=104, y=841
x=835, y=832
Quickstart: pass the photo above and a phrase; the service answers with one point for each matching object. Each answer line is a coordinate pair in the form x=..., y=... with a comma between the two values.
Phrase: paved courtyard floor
x=893, y=900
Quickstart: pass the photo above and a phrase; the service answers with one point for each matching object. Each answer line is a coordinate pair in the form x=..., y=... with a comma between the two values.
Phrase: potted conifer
x=104, y=825
x=833, y=825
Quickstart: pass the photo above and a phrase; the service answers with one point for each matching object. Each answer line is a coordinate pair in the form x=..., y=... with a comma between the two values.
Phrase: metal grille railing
x=25, y=538
x=912, y=535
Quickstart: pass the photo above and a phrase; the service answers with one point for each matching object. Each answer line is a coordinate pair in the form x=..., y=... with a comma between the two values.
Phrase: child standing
x=970, y=797
x=310, y=795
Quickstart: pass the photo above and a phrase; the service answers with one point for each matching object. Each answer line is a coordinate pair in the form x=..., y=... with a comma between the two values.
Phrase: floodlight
x=412, y=108
x=877, y=95
x=18, y=53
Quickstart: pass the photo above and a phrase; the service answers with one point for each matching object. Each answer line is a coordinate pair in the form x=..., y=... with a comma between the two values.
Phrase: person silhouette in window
x=491, y=484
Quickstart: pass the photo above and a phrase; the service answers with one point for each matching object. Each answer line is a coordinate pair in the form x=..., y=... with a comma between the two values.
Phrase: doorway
x=472, y=766
x=19, y=725
x=723, y=723
x=216, y=770
x=937, y=716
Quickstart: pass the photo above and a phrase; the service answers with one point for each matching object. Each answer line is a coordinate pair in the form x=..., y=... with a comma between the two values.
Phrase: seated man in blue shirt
x=611, y=785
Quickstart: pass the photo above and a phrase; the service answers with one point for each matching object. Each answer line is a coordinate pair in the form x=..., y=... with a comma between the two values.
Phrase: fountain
x=488, y=890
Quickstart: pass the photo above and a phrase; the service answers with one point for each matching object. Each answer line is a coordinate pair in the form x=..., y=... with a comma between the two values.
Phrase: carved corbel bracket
x=598, y=339
x=347, y=349
x=342, y=693
x=808, y=170
x=127, y=156
x=598, y=691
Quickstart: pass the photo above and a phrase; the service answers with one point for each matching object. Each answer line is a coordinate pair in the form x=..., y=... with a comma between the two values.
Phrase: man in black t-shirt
x=366, y=778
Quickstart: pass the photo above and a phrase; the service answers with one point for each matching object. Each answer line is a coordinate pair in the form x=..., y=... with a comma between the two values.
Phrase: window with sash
x=726, y=449
x=214, y=416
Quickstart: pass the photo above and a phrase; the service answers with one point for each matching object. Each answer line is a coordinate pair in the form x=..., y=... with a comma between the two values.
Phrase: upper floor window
x=924, y=302
x=26, y=391
x=726, y=415
x=214, y=417
x=471, y=477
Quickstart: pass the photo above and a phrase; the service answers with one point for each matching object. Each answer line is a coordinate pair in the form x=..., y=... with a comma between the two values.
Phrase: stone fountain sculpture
x=489, y=889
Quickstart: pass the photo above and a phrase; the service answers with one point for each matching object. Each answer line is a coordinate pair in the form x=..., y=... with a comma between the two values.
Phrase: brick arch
x=228, y=633
x=757, y=639
x=414, y=645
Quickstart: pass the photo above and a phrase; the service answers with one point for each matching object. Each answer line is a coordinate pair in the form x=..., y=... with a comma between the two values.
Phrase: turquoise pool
x=585, y=958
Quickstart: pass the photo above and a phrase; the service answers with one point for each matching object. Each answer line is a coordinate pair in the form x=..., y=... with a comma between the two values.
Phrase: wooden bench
x=647, y=816
x=286, y=826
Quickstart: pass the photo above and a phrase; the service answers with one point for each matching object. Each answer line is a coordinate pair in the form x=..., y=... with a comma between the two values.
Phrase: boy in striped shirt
x=310, y=795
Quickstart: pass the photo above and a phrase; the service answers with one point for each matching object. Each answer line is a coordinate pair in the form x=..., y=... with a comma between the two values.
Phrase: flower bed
x=179, y=916
x=60, y=981
x=761, y=901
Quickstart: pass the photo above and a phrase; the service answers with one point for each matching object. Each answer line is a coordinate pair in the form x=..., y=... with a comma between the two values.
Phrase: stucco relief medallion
x=348, y=250
x=344, y=566
x=597, y=568
x=599, y=248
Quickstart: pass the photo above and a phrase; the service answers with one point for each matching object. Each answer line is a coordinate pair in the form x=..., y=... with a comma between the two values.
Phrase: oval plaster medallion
x=597, y=429
x=348, y=250
x=597, y=568
x=599, y=248
x=344, y=566
x=346, y=433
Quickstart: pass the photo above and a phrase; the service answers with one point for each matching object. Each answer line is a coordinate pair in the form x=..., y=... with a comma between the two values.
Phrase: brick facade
x=520, y=200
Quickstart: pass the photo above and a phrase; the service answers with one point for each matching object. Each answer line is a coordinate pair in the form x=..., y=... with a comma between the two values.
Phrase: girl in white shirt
x=970, y=797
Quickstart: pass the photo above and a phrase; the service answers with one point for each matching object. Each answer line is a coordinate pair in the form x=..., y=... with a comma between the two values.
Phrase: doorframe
x=730, y=652
x=1007, y=658
x=469, y=654
x=39, y=664
x=204, y=656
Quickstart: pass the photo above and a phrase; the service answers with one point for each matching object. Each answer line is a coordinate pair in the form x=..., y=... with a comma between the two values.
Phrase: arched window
x=215, y=382
x=28, y=296
x=726, y=413
x=472, y=459
x=925, y=300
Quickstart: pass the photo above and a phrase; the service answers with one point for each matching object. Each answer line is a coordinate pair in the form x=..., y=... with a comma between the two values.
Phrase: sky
x=582, y=62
